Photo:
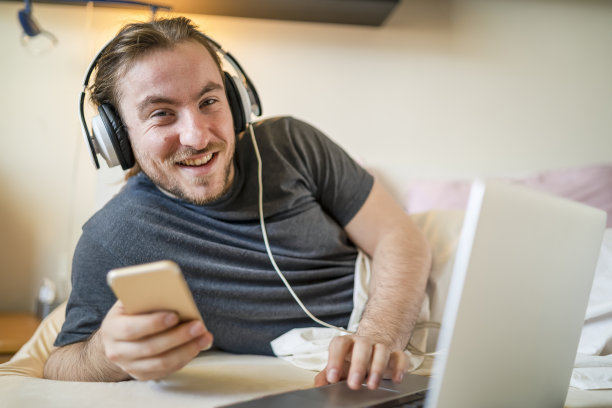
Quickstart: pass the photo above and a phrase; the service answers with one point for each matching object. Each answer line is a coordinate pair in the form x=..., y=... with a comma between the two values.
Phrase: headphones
x=109, y=136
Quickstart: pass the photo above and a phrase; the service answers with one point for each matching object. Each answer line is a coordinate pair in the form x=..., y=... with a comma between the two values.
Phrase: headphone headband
x=109, y=137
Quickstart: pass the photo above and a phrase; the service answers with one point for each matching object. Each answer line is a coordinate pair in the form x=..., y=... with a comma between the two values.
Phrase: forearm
x=401, y=264
x=84, y=361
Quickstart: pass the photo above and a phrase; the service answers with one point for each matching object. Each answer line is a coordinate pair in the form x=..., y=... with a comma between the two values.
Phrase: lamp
x=32, y=30
x=30, y=27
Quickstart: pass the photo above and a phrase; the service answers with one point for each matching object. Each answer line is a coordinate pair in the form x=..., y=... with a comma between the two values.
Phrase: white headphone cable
x=418, y=326
x=266, y=243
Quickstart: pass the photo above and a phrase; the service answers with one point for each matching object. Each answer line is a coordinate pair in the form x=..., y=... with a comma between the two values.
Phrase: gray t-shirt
x=312, y=189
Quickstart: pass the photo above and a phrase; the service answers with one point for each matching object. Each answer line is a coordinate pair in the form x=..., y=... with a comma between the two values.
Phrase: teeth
x=197, y=162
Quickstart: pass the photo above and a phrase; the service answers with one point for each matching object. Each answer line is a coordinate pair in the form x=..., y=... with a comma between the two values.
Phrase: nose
x=194, y=131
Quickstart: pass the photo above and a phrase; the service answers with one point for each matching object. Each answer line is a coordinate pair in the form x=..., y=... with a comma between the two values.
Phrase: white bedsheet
x=210, y=380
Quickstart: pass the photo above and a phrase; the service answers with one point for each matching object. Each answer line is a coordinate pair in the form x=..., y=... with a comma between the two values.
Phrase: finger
x=115, y=312
x=360, y=361
x=134, y=327
x=339, y=348
x=159, y=366
x=398, y=364
x=380, y=359
x=160, y=343
x=321, y=378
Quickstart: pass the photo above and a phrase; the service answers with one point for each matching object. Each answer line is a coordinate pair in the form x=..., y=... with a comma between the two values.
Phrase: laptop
x=515, y=308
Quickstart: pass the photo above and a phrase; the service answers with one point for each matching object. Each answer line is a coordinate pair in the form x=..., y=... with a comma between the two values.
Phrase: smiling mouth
x=197, y=162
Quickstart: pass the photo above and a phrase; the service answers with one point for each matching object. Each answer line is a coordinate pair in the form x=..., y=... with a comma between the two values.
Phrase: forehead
x=184, y=65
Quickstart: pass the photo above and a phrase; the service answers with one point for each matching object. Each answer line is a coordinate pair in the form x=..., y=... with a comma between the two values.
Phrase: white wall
x=444, y=88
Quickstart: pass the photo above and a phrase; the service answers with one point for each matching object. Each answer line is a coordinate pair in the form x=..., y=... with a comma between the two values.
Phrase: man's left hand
x=359, y=358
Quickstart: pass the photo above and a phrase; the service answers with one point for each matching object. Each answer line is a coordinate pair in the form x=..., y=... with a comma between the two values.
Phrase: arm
x=144, y=347
x=83, y=361
x=401, y=263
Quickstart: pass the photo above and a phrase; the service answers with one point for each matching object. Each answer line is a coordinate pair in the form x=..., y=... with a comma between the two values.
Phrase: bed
x=216, y=378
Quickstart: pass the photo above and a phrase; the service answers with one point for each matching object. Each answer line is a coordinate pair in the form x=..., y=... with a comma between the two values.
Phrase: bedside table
x=15, y=330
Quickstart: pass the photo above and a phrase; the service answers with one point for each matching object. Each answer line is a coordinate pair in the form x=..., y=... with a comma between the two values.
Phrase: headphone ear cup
x=117, y=135
x=235, y=103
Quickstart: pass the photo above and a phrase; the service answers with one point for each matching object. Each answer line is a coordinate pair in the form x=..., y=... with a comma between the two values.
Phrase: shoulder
x=275, y=123
x=283, y=127
x=286, y=123
x=287, y=134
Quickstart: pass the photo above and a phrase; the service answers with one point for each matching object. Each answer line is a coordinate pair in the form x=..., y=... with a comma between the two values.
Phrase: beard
x=214, y=185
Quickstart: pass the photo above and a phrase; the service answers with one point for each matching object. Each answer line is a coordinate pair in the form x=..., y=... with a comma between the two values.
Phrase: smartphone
x=153, y=287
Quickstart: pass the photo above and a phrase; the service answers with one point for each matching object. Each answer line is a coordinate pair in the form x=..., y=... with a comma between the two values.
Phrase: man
x=194, y=200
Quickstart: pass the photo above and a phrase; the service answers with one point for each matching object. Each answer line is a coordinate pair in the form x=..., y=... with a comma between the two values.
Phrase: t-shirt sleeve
x=339, y=183
x=90, y=297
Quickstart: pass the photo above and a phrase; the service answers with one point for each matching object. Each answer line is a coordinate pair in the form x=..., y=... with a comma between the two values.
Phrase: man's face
x=179, y=121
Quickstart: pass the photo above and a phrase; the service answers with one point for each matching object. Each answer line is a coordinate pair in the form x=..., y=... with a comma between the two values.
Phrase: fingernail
x=196, y=329
x=373, y=381
x=332, y=376
x=355, y=380
x=170, y=320
x=204, y=343
x=400, y=377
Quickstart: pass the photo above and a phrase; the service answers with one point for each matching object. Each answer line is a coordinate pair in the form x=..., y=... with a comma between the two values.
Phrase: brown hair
x=131, y=43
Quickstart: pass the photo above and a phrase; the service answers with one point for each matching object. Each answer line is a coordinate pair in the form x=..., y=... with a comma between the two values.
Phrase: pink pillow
x=591, y=185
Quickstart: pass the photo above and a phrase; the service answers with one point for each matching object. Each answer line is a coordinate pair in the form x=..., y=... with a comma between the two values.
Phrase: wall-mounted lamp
x=32, y=30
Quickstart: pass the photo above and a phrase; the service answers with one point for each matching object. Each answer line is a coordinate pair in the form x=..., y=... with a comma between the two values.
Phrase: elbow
x=49, y=372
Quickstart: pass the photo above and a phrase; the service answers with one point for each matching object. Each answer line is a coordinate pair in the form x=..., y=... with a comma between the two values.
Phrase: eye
x=208, y=102
x=159, y=113
x=161, y=116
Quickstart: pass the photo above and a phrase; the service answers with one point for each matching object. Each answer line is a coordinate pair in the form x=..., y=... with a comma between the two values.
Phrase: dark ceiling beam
x=359, y=12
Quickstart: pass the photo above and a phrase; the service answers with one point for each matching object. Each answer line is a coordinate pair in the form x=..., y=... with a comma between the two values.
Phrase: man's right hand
x=149, y=346
x=145, y=347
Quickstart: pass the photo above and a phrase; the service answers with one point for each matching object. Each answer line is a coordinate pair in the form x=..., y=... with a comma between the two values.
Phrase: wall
x=444, y=88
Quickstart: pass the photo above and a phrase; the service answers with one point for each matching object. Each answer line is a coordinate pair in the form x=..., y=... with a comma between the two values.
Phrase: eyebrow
x=157, y=99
